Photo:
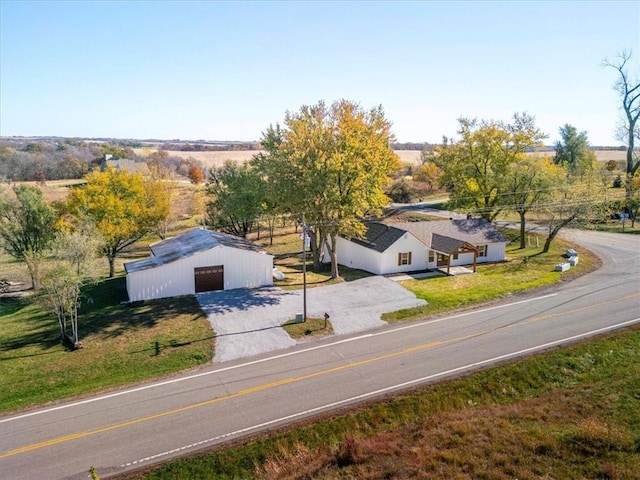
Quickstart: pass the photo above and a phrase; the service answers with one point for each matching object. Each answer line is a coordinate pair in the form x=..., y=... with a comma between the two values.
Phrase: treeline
x=209, y=147
x=57, y=159
x=45, y=160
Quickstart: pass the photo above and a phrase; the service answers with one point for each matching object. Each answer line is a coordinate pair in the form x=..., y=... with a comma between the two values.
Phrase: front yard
x=128, y=343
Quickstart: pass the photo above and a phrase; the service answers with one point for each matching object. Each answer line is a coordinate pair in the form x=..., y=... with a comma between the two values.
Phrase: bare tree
x=628, y=87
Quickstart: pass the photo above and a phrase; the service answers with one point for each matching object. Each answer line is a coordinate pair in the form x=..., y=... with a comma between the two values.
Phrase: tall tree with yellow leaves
x=123, y=206
x=331, y=164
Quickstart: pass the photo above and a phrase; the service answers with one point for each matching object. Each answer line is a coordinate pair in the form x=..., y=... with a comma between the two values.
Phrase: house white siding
x=357, y=256
x=352, y=255
x=408, y=243
x=242, y=269
x=496, y=252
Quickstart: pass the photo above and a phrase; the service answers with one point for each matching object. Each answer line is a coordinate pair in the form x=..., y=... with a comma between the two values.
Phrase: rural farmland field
x=217, y=159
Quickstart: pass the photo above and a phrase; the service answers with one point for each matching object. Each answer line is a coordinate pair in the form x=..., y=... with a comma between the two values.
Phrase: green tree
x=26, y=227
x=633, y=197
x=332, y=164
x=475, y=168
x=628, y=88
x=573, y=151
x=122, y=206
x=79, y=246
x=529, y=183
x=61, y=293
x=571, y=202
x=73, y=254
x=236, y=196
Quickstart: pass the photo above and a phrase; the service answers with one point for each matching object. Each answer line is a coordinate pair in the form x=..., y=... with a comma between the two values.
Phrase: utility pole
x=304, y=270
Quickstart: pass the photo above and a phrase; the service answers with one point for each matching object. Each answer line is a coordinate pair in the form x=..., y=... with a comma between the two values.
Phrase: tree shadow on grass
x=37, y=327
x=106, y=310
x=103, y=310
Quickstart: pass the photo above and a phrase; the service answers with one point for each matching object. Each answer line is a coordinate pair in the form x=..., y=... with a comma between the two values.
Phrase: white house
x=414, y=246
x=198, y=261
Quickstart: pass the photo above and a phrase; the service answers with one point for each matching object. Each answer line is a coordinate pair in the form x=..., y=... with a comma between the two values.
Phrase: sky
x=216, y=70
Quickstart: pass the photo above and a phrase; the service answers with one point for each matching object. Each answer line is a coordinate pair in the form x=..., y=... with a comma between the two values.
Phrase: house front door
x=442, y=260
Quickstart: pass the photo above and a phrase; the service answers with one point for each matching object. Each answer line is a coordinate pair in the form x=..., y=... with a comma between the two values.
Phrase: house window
x=482, y=250
x=404, y=258
x=432, y=256
x=455, y=256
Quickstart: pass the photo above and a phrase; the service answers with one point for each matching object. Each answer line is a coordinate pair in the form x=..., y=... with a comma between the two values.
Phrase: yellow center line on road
x=290, y=380
x=575, y=310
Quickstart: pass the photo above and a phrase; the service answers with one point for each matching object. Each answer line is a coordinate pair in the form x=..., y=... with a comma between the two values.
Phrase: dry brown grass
x=217, y=159
x=601, y=155
x=556, y=435
x=209, y=159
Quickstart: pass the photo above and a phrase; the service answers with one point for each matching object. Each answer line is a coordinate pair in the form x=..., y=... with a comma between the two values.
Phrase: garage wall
x=242, y=269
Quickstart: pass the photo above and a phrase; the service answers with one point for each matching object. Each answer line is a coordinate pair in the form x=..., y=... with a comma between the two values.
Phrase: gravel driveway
x=247, y=321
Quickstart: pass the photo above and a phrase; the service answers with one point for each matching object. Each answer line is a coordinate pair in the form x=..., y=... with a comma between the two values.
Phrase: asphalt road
x=136, y=427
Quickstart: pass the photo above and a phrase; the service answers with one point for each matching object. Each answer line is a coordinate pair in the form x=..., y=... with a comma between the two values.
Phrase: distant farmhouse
x=416, y=246
x=198, y=261
x=124, y=164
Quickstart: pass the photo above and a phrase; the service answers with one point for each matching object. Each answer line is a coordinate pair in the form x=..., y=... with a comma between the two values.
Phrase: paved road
x=136, y=427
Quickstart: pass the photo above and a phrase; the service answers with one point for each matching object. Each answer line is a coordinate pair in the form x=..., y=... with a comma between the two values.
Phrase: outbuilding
x=196, y=261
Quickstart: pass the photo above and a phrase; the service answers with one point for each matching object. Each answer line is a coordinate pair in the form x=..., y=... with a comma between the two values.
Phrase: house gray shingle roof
x=187, y=244
x=442, y=235
x=379, y=236
x=476, y=231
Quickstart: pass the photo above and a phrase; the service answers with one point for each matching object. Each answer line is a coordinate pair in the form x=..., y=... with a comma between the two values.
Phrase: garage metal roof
x=187, y=244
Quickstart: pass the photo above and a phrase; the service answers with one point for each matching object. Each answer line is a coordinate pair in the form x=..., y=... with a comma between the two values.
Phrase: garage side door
x=209, y=278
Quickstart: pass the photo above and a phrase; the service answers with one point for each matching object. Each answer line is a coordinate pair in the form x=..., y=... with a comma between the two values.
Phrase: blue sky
x=226, y=70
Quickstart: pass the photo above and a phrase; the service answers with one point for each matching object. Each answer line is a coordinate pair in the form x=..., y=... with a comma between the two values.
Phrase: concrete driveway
x=247, y=321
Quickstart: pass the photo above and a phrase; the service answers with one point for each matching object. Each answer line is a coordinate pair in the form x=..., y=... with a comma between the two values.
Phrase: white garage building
x=198, y=261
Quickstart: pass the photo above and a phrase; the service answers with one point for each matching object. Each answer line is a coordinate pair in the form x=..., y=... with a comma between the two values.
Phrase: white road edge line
x=268, y=359
x=381, y=391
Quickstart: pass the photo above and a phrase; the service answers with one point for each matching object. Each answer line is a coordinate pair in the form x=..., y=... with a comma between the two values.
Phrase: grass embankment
x=524, y=270
x=571, y=413
x=122, y=343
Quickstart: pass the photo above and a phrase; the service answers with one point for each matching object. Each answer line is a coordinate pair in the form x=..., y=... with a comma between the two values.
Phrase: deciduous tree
x=573, y=151
x=195, y=174
x=236, y=194
x=475, y=167
x=61, y=293
x=530, y=182
x=571, y=202
x=332, y=164
x=428, y=172
x=122, y=206
x=26, y=226
x=628, y=88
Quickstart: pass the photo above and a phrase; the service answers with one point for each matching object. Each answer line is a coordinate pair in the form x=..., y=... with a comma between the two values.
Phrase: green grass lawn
x=122, y=344
x=312, y=327
x=523, y=270
x=570, y=413
x=127, y=343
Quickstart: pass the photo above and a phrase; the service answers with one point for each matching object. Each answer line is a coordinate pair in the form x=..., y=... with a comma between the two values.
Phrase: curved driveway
x=247, y=321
